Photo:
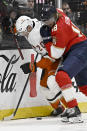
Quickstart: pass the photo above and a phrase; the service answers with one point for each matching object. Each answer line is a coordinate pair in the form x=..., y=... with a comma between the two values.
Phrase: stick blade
x=8, y=118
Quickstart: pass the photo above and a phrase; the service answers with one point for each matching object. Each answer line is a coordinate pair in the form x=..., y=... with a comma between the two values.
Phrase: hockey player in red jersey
x=67, y=41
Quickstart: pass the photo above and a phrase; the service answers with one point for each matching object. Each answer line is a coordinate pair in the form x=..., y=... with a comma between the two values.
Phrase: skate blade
x=8, y=118
x=76, y=120
x=72, y=120
x=65, y=119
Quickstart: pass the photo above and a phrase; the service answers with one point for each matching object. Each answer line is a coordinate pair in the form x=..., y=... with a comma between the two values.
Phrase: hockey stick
x=14, y=113
x=17, y=44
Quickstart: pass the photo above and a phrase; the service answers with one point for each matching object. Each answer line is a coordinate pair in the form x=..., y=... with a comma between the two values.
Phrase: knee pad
x=45, y=92
x=54, y=89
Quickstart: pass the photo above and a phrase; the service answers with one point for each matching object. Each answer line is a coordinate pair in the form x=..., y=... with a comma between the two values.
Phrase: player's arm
x=54, y=50
x=44, y=63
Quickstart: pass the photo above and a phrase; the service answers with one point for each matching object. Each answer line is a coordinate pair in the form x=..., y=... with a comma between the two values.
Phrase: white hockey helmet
x=22, y=23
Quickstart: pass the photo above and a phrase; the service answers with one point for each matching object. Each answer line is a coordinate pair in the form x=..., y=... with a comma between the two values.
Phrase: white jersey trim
x=56, y=52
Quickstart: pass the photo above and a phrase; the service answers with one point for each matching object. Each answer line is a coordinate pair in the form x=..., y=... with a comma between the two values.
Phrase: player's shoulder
x=60, y=11
x=64, y=20
x=62, y=14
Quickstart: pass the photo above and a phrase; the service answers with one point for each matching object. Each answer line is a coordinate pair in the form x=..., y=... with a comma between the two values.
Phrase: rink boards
x=12, y=82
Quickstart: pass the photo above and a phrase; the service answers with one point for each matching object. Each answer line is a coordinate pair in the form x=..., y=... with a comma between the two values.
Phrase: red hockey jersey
x=65, y=34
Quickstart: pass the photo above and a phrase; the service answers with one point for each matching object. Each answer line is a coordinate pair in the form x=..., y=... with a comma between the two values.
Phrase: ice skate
x=72, y=115
x=64, y=116
x=58, y=111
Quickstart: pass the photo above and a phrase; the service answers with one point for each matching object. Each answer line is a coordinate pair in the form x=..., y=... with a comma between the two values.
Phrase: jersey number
x=55, y=28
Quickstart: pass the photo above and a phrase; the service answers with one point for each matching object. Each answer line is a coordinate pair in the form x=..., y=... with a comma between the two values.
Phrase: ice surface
x=46, y=124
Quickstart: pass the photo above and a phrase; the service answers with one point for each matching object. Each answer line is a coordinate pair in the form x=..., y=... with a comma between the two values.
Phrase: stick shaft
x=21, y=95
x=17, y=44
x=23, y=92
x=18, y=47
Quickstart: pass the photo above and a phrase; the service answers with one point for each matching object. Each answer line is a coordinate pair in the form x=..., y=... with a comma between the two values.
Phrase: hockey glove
x=28, y=68
x=45, y=32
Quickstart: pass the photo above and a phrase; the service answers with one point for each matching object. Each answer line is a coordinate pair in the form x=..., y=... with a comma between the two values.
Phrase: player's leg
x=49, y=89
x=72, y=65
x=51, y=72
x=65, y=83
x=48, y=71
x=55, y=96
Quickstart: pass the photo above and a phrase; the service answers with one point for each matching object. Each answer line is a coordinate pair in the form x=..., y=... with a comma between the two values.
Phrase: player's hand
x=45, y=32
x=28, y=68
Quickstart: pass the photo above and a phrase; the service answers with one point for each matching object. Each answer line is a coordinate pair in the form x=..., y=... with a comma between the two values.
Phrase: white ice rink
x=52, y=124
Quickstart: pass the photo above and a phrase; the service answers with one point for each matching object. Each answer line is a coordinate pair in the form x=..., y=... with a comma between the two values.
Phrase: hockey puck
x=39, y=118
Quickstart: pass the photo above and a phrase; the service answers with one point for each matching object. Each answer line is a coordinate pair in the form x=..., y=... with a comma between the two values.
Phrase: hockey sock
x=65, y=83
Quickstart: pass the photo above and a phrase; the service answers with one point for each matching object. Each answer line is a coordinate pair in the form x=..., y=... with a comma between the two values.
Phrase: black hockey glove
x=28, y=68
x=45, y=32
